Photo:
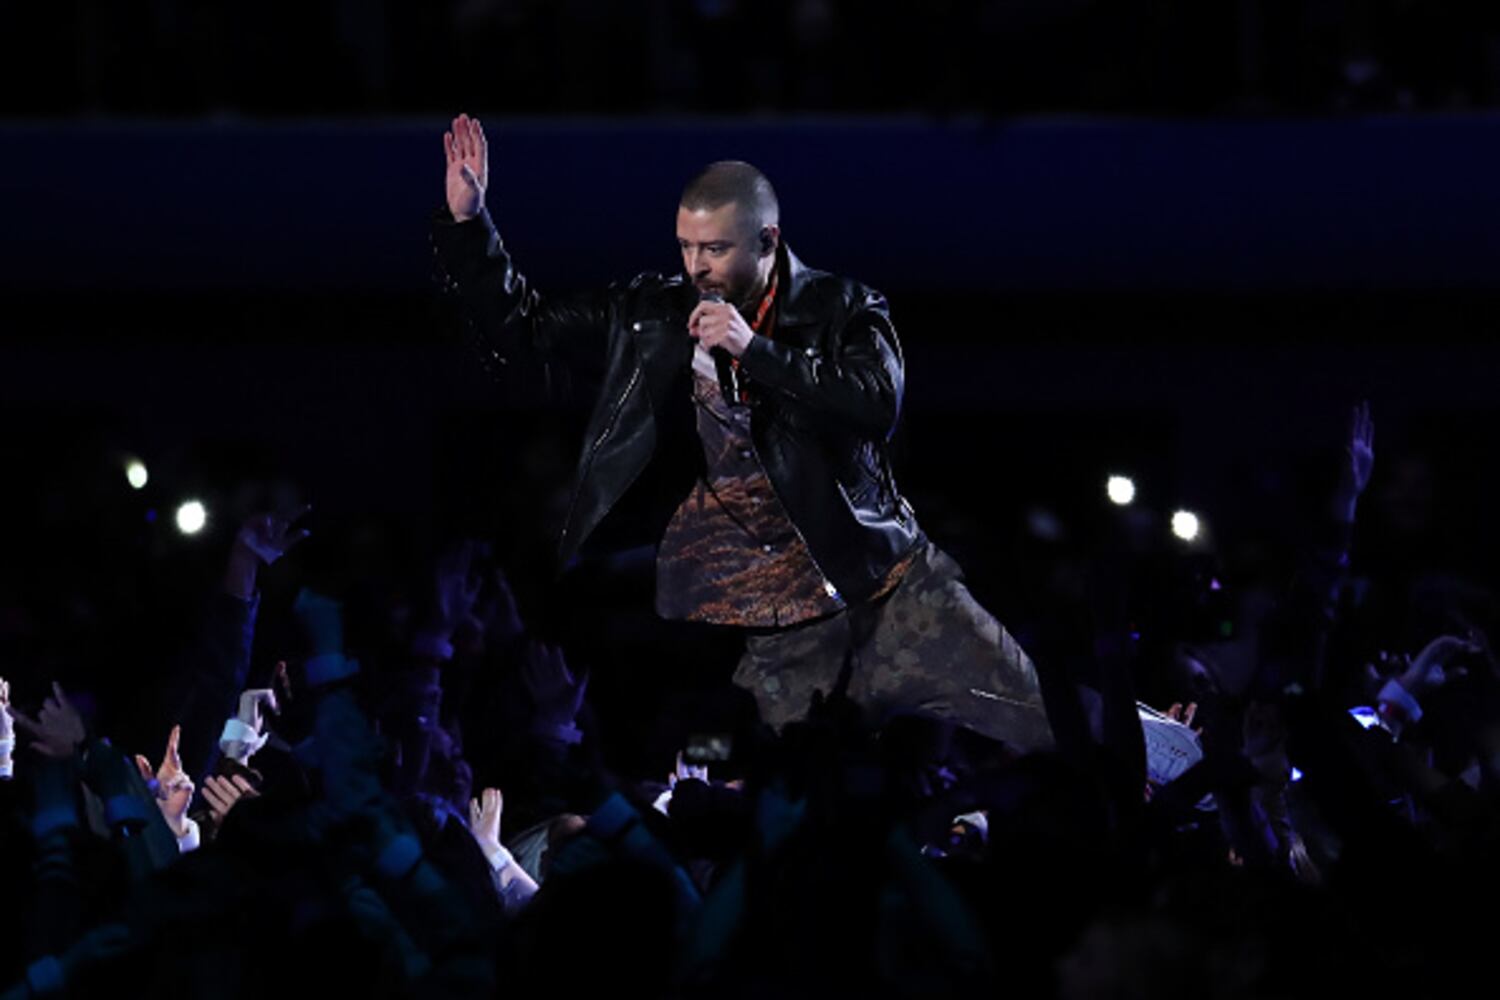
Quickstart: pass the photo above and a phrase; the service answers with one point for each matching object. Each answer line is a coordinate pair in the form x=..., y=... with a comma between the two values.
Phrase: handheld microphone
x=723, y=362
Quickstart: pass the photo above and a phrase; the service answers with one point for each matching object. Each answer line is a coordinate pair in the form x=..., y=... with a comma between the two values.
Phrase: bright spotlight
x=135, y=474
x=1185, y=525
x=1120, y=489
x=191, y=517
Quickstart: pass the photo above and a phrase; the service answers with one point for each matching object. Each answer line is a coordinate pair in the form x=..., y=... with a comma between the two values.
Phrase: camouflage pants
x=931, y=651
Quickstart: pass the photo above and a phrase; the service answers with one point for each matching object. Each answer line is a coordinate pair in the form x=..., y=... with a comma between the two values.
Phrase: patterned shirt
x=730, y=554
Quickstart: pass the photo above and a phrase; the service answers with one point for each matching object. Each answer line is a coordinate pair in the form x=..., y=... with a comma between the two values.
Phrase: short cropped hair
x=727, y=181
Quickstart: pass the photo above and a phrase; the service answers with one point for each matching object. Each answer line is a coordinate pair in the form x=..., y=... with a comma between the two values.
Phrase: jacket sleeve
x=523, y=340
x=859, y=385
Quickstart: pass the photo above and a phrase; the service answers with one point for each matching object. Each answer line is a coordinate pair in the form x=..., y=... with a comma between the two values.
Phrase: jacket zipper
x=594, y=450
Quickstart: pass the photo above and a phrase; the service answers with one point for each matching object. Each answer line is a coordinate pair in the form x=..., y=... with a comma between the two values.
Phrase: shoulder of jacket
x=850, y=293
x=647, y=290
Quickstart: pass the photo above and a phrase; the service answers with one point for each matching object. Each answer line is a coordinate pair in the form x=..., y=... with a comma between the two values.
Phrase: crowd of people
x=369, y=787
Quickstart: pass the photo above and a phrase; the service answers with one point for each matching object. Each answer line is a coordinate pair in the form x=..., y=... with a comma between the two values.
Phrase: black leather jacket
x=825, y=392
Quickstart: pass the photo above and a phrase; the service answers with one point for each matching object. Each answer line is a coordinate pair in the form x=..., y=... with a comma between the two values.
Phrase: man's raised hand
x=468, y=167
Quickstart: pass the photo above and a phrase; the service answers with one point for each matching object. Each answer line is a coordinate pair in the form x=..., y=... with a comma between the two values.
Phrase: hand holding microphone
x=720, y=328
x=716, y=323
x=723, y=362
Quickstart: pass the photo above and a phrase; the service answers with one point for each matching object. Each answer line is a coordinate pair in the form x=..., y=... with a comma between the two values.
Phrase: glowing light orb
x=1185, y=525
x=191, y=517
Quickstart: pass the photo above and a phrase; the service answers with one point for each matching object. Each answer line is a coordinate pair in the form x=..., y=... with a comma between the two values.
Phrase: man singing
x=778, y=387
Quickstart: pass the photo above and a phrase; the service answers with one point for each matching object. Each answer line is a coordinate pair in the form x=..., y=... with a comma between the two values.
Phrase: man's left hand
x=719, y=324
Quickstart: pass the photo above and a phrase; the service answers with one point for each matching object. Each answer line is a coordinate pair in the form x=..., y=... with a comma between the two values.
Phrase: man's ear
x=769, y=235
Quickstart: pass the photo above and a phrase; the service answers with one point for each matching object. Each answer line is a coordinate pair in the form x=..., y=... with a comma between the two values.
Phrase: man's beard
x=744, y=301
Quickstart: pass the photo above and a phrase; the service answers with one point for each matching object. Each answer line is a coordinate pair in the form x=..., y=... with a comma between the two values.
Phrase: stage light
x=1185, y=525
x=1120, y=489
x=136, y=475
x=191, y=517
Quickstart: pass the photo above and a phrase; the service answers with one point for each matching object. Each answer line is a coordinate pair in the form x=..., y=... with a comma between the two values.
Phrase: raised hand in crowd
x=1433, y=666
x=1178, y=712
x=244, y=734
x=484, y=819
x=173, y=786
x=223, y=793
x=58, y=729
x=1399, y=700
x=253, y=705
x=456, y=588
x=261, y=540
x=1358, y=462
x=7, y=730
x=7, y=726
x=555, y=693
x=468, y=173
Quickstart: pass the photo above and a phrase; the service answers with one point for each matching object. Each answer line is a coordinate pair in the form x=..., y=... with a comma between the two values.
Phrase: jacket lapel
x=802, y=308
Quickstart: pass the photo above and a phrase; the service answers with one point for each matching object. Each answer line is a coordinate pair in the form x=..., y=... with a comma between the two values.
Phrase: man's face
x=722, y=252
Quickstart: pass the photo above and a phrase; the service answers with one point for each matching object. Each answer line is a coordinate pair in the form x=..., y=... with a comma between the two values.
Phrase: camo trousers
x=930, y=650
